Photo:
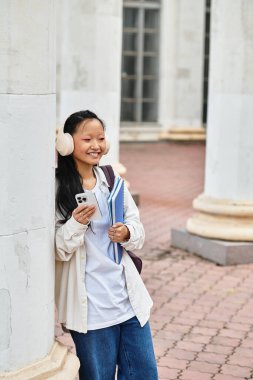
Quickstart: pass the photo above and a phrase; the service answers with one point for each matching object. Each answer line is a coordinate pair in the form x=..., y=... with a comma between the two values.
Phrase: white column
x=89, y=62
x=225, y=209
x=181, y=69
x=27, y=124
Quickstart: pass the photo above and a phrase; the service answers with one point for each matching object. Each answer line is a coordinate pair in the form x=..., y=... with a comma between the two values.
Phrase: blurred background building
x=164, y=75
x=156, y=78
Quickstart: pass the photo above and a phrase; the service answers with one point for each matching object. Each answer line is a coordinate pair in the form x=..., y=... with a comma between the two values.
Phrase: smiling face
x=89, y=143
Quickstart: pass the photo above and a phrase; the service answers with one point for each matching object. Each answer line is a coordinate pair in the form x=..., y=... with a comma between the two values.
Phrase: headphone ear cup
x=107, y=144
x=64, y=143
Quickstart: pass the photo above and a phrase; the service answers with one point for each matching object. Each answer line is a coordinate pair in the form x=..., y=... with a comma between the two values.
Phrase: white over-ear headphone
x=65, y=143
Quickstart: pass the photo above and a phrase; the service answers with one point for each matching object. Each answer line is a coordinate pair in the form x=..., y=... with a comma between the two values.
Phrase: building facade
x=164, y=75
x=146, y=73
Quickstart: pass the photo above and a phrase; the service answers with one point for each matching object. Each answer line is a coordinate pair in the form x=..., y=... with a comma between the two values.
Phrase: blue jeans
x=127, y=345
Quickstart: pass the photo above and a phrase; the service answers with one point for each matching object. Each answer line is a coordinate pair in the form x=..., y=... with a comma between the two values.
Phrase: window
x=139, y=93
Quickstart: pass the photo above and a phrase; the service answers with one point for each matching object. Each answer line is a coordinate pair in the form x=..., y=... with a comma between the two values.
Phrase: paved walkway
x=202, y=319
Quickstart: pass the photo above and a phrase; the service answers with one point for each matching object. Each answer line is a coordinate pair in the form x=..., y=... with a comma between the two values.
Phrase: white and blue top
x=107, y=297
x=70, y=269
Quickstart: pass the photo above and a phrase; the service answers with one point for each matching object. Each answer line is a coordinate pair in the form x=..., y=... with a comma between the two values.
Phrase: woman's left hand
x=119, y=233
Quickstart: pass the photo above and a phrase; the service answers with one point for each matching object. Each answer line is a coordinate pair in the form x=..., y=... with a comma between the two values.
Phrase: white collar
x=101, y=175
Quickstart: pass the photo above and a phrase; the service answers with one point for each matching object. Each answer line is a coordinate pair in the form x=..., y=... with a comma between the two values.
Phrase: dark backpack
x=110, y=176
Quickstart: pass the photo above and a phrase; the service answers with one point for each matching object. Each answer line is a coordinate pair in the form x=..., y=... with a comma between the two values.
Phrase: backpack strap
x=109, y=175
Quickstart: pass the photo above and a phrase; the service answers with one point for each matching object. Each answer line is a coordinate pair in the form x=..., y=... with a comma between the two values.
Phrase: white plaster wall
x=229, y=156
x=25, y=71
x=181, y=63
x=27, y=124
x=89, y=62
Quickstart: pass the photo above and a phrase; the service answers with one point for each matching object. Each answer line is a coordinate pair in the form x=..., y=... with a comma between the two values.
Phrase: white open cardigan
x=70, y=254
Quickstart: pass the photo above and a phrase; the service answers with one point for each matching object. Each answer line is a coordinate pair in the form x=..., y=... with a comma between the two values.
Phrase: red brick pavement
x=202, y=316
x=168, y=177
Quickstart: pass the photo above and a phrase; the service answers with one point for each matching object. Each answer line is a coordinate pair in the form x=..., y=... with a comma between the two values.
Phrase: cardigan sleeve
x=68, y=237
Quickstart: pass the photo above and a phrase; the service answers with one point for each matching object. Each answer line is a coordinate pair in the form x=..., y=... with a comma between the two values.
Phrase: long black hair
x=68, y=178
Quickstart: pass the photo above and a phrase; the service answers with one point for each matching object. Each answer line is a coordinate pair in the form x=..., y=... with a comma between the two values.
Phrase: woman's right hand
x=82, y=213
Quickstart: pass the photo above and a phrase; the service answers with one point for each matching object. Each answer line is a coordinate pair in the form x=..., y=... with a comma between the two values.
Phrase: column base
x=184, y=134
x=222, y=219
x=139, y=133
x=59, y=364
x=219, y=251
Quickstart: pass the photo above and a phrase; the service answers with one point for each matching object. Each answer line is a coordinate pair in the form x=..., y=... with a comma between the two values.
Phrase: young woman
x=105, y=305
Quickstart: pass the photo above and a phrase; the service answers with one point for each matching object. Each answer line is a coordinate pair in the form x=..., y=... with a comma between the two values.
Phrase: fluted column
x=225, y=209
x=181, y=69
x=89, y=62
x=27, y=124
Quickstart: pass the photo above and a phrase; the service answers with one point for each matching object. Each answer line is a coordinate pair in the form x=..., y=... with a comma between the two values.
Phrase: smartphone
x=89, y=198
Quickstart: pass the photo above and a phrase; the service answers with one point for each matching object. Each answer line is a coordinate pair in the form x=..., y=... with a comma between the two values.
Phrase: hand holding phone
x=83, y=214
x=89, y=198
